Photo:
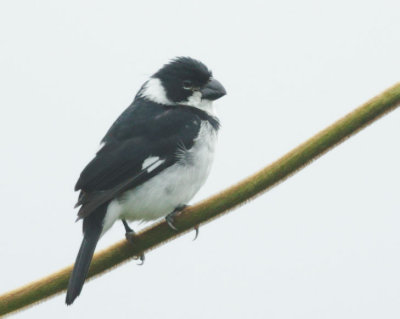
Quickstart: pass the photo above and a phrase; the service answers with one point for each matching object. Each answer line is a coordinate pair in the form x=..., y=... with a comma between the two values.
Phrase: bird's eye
x=187, y=85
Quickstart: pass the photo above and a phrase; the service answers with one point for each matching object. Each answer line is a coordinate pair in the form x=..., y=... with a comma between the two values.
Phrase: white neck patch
x=196, y=101
x=154, y=91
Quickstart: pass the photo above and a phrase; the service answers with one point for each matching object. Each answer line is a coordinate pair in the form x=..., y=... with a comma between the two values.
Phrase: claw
x=171, y=216
x=141, y=257
x=170, y=221
x=196, y=229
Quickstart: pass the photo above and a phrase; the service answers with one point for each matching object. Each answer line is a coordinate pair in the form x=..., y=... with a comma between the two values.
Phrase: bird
x=152, y=161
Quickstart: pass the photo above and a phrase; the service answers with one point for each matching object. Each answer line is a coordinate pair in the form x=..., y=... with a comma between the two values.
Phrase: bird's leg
x=170, y=218
x=129, y=235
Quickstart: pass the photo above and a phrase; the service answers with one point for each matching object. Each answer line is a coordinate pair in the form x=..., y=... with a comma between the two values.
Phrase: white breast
x=173, y=187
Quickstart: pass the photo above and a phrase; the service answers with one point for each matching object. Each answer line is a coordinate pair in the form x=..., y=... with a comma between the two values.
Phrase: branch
x=214, y=206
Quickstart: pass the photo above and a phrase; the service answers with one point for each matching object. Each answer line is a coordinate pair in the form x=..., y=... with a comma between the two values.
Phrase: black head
x=184, y=76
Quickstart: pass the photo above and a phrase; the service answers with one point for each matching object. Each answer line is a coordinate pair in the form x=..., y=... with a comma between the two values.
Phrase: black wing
x=144, y=130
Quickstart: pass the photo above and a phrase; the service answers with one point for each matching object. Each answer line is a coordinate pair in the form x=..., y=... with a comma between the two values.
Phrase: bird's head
x=183, y=81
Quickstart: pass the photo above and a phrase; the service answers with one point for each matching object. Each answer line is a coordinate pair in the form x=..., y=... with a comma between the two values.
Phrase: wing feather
x=118, y=166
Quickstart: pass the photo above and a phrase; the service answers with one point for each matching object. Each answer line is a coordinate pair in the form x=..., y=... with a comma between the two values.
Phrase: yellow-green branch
x=214, y=206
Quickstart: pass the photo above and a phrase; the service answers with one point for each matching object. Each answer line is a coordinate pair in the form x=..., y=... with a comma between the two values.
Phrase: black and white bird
x=153, y=159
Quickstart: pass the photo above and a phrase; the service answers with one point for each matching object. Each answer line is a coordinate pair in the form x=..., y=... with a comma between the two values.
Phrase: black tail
x=92, y=228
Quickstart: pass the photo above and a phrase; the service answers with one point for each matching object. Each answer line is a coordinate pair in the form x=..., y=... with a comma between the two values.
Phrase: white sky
x=324, y=244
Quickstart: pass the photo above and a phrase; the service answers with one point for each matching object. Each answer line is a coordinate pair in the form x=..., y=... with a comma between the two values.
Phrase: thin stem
x=214, y=206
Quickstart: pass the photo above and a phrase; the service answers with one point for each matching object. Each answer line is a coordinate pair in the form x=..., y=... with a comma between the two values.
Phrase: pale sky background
x=324, y=244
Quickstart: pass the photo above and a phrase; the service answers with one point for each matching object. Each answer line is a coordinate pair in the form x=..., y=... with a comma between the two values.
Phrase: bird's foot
x=130, y=237
x=170, y=218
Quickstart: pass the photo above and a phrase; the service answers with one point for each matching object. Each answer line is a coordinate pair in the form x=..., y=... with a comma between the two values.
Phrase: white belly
x=173, y=187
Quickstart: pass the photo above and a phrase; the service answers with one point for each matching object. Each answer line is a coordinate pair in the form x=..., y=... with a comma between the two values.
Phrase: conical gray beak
x=213, y=90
